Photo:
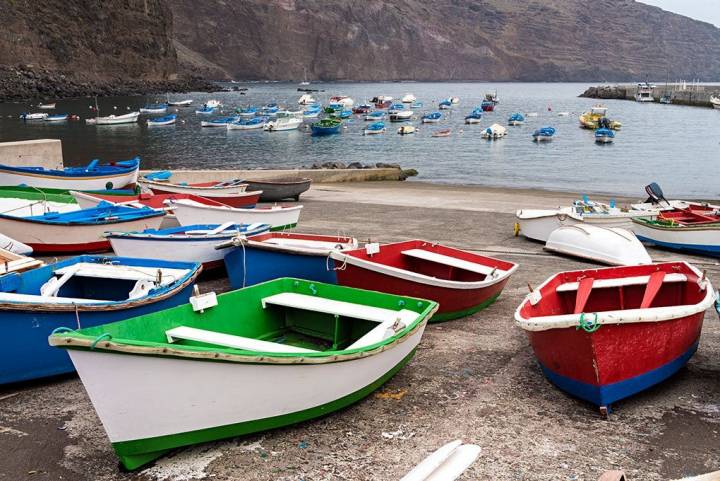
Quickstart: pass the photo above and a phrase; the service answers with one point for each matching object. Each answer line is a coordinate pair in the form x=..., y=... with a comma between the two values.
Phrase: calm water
x=675, y=146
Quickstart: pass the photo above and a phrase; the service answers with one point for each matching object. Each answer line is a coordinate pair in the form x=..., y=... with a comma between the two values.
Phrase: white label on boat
x=372, y=248
x=203, y=301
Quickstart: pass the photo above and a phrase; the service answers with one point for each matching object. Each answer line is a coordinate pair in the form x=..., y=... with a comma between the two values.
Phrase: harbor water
x=675, y=146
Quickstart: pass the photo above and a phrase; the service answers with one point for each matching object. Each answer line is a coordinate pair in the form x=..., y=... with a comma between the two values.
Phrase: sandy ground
x=474, y=379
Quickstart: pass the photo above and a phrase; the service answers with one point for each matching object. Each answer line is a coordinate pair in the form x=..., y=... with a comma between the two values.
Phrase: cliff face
x=550, y=40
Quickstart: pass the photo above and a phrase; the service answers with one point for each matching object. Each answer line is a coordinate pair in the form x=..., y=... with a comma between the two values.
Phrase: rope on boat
x=61, y=329
x=100, y=338
x=588, y=325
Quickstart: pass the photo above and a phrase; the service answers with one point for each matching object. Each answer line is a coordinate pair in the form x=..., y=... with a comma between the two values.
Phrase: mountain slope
x=442, y=40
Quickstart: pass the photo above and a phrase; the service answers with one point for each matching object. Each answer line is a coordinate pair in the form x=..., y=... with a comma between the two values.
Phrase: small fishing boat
x=154, y=109
x=494, y=132
x=341, y=114
x=416, y=105
x=130, y=118
x=231, y=192
x=408, y=99
x=543, y=134
x=181, y=103
x=94, y=176
x=537, y=224
x=208, y=377
x=333, y=108
x=395, y=108
x=343, y=100
x=27, y=201
x=596, y=117
x=375, y=128
x=270, y=109
x=666, y=99
x=475, y=117
x=606, y=334
x=401, y=116
x=362, y=109
x=46, y=106
x=80, y=292
x=213, y=103
x=516, y=119
x=406, y=130
x=614, y=246
x=454, y=100
x=205, y=110
x=256, y=123
x=248, y=113
x=284, y=122
x=279, y=188
x=264, y=257
x=487, y=106
x=192, y=243
x=312, y=112
x=326, y=127
x=11, y=261
x=306, y=99
x=189, y=212
x=604, y=136
x=442, y=133
x=221, y=122
x=87, y=200
x=715, y=101
x=78, y=231
x=431, y=118
x=166, y=120
x=33, y=116
x=492, y=97
x=379, y=99
x=375, y=116
x=385, y=104
x=56, y=117
x=460, y=281
x=695, y=229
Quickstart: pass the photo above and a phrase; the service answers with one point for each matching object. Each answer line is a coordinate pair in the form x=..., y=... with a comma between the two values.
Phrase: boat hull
x=320, y=131
x=696, y=240
x=234, y=196
x=147, y=415
x=278, y=219
x=250, y=266
x=178, y=250
x=68, y=239
x=84, y=182
x=277, y=190
x=540, y=227
x=616, y=361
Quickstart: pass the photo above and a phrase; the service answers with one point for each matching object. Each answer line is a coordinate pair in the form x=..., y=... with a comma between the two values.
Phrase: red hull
x=88, y=248
x=243, y=200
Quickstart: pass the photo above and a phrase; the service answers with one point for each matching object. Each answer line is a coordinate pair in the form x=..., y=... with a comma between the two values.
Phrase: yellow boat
x=591, y=118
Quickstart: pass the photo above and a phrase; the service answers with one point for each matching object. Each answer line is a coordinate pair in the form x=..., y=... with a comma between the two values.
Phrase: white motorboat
x=401, y=116
x=213, y=104
x=33, y=116
x=644, y=92
x=287, y=122
x=614, y=246
x=408, y=99
x=306, y=99
x=130, y=118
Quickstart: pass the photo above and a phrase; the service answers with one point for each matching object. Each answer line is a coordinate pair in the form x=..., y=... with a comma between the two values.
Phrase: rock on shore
x=605, y=92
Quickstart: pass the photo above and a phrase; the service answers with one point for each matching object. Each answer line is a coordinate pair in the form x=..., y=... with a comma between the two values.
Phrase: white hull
x=8, y=244
x=27, y=208
x=208, y=192
x=604, y=140
x=61, y=118
x=115, y=119
x=152, y=123
x=205, y=123
x=189, y=213
x=153, y=111
x=62, y=235
x=37, y=116
x=139, y=397
x=692, y=236
x=373, y=132
x=232, y=126
x=70, y=183
x=618, y=247
x=284, y=124
x=538, y=224
x=542, y=138
x=180, y=103
x=430, y=121
x=473, y=121
x=201, y=250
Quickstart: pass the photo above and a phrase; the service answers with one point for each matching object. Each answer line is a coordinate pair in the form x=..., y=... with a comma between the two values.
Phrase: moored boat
x=79, y=231
x=326, y=127
x=375, y=128
x=606, y=334
x=406, y=130
x=408, y=99
x=255, y=123
x=47, y=106
x=604, y=136
x=343, y=100
x=221, y=122
x=284, y=122
x=445, y=104
x=614, y=246
x=474, y=117
x=33, y=116
x=431, y=118
x=306, y=99
x=516, y=119
x=362, y=109
x=260, y=258
x=543, y=134
x=80, y=292
x=375, y=116
x=487, y=106
x=312, y=112
x=205, y=110
x=94, y=176
x=130, y=118
x=279, y=188
x=401, y=116
x=695, y=229
x=248, y=113
x=189, y=212
x=715, y=102
x=494, y=132
x=442, y=133
x=207, y=376
x=460, y=281
x=192, y=243
x=596, y=117
x=181, y=103
x=56, y=118
x=166, y=120
x=154, y=109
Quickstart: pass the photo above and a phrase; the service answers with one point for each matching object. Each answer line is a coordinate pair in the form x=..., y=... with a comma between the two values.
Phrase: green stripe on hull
x=447, y=316
x=283, y=227
x=134, y=454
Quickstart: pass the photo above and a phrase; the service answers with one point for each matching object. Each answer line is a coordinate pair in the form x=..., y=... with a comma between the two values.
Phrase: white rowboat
x=189, y=213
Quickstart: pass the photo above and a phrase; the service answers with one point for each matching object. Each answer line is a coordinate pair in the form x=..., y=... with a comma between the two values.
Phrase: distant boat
x=46, y=106
x=167, y=120
x=222, y=122
x=445, y=104
x=442, y=133
x=306, y=99
x=715, y=101
x=494, y=132
x=248, y=112
x=312, y=112
x=286, y=121
x=644, y=92
x=401, y=116
x=180, y=103
x=56, y=118
x=154, y=109
x=406, y=130
x=362, y=109
x=431, y=118
x=130, y=118
x=408, y=99
x=205, y=110
x=666, y=99
x=454, y=100
x=252, y=124
x=270, y=109
x=375, y=116
x=375, y=128
x=475, y=117
x=342, y=114
x=543, y=134
x=343, y=100
x=487, y=105
x=326, y=127
x=516, y=119
x=604, y=136
x=213, y=103
x=33, y=116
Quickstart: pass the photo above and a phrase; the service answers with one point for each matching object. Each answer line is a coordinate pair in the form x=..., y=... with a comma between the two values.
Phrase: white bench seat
x=339, y=308
x=453, y=262
x=232, y=341
x=127, y=273
x=620, y=281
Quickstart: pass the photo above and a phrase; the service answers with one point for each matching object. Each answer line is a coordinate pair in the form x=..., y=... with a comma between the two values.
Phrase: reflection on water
x=675, y=146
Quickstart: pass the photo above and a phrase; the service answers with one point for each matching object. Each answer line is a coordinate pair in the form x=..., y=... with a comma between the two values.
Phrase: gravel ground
x=474, y=379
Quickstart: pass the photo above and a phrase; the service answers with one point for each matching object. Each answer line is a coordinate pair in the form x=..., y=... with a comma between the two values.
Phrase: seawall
x=680, y=94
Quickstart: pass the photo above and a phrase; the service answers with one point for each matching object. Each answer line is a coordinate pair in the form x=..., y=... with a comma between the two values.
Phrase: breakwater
x=680, y=94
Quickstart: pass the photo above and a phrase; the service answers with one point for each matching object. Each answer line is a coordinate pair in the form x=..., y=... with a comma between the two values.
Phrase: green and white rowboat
x=257, y=358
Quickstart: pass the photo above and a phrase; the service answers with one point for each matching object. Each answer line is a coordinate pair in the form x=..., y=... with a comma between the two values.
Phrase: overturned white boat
x=494, y=132
x=614, y=246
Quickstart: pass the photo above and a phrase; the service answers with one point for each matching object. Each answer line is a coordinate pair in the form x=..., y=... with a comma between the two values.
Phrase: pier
x=696, y=95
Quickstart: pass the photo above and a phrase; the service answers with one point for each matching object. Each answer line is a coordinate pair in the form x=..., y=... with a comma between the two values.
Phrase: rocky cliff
x=64, y=48
x=532, y=40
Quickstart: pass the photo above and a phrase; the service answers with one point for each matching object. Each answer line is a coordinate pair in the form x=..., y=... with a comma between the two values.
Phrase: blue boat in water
x=543, y=134
x=166, y=120
x=604, y=136
x=474, y=117
x=445, y=104
x=326, y=127
x=206, y=110
x=76, y=293
x=154, y=109
x=375, y=128
x=248, y=112
x=221, y=122
x=516, y=119
x=273, y=255
x=431, y=118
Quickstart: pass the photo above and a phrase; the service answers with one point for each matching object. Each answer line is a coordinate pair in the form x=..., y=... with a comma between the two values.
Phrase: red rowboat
x=605, y=334
x=462, y=282
x=158, y=201
x=229, y=193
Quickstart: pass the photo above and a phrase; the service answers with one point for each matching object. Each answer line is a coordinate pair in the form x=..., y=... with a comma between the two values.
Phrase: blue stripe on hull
x=265, y=265
x=29, y=356
x=708, y=250
x=609, y=393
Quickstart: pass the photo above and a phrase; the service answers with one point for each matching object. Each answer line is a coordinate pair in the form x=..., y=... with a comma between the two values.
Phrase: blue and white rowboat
x=94, y=176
